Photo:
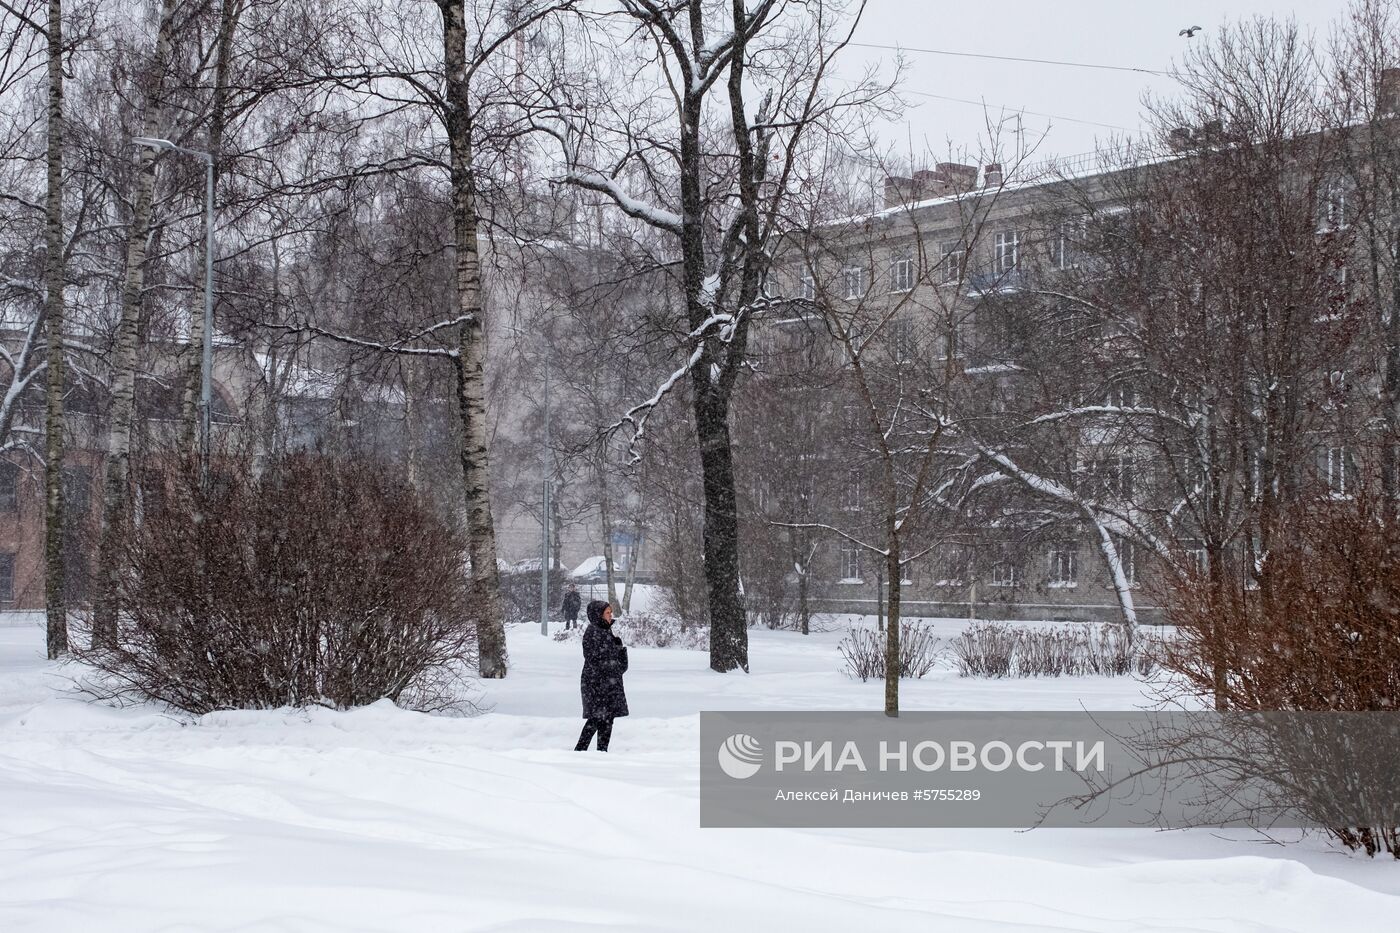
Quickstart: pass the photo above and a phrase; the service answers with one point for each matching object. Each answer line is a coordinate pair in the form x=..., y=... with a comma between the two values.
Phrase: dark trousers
x=569, y=621
x=603, y=727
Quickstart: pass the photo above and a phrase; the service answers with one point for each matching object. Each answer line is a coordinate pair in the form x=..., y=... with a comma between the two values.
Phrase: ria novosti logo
x=741, y=756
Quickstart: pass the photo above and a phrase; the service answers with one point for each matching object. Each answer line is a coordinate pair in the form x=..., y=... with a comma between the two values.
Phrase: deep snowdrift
x=379, y=819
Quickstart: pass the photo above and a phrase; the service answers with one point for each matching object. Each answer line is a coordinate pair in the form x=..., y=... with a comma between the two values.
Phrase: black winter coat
x=604, y=663
x=572, y=602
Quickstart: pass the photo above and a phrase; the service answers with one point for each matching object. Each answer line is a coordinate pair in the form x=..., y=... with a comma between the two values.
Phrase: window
x=951, y=568
x=9, y=487
x=7, y=578
x=853, y=282
x=1341, y=472
x=1006, y=252
x=1334, y=388
x=1127, y=559
x=901, y=273
x=850, y=497
x=1063, y=569
x=1121, y=397
x=954, y=263
x=900, y=337
x=1196, y=559
x=850, y=562
x=1063, y=255
x=1334, y=206
x=1003, y=574
x=77, y=491
x=807, y=285
x=1111, y=476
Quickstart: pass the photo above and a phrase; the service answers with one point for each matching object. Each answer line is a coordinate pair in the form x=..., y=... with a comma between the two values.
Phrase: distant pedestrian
x=604, y=663
x=572, y=602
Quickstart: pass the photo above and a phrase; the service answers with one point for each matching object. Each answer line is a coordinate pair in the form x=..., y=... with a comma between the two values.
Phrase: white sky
x=1126, y=33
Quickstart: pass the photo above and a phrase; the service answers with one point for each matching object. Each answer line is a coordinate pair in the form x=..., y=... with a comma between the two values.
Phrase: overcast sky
x=1072, y=108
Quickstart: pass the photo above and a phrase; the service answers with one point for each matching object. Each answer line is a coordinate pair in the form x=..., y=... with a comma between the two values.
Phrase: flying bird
x=1190, y=31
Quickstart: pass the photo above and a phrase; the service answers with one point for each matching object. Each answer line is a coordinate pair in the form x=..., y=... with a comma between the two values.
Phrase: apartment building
x=964, y=286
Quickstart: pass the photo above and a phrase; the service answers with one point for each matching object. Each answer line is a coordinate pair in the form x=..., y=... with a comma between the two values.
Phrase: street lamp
x=206, y=385
x=547, y=470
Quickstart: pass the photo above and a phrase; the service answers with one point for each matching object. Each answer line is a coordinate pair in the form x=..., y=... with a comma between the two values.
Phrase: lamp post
x=548, y=467
x=206, y=384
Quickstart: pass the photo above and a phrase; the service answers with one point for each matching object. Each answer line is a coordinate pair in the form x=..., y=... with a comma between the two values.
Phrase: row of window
x=1007, y=248
x=1061, y=568
x=1334, y=213
x=77, y=488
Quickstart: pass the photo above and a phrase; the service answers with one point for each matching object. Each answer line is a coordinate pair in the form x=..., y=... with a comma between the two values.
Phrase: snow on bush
x=314, y=581
x=988, y=649
x=863, y=652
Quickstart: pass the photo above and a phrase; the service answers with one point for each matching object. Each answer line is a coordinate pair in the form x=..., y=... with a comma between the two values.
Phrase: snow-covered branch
x=656, y=216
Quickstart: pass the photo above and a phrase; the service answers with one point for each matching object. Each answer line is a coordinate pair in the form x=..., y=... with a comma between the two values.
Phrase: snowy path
x=380, y=820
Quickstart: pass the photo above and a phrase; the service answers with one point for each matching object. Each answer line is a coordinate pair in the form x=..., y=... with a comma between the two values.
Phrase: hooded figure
x=572, y=601
x=604, y=663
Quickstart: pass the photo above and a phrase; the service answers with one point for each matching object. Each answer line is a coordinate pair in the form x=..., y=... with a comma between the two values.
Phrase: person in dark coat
x=604, y=663
x=572, y=602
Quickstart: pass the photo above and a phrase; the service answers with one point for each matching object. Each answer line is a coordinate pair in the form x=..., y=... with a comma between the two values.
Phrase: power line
x=1010, y=58
x=1034, y=113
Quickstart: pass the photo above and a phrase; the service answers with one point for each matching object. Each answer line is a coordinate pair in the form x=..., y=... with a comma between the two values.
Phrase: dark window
x=77, y=491
x=9, y=487
x=7, y=578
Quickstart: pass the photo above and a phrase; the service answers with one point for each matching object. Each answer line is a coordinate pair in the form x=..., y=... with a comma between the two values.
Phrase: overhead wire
x=1012, y=58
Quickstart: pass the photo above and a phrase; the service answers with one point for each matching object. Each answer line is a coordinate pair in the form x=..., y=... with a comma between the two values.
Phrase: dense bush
x=315, y=581
x=1316, y=629
x=988, y=649
x=863, y=652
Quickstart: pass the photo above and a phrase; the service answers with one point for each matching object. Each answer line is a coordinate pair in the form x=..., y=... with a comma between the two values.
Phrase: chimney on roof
x=959, y=178
x=927, y=184
x=940, y=181
x=899, y=190
x=1179, y=139
x=1388, y=91
x=992, y=176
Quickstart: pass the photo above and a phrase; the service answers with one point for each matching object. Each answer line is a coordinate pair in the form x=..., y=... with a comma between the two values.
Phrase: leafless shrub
x=316, y=581
x=863, y=652
x=1318, y=629
x=988, y=649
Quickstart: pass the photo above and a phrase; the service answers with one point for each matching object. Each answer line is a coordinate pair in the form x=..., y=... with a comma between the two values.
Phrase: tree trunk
x=729, y=635
x=804, y=610
x=892, y=569
x=605, y=516
x=556, y=540
x=635, y=558
x=116, y=484
x=471, y=349
x=1114, y=561
x=56, y=609
x=410, y=419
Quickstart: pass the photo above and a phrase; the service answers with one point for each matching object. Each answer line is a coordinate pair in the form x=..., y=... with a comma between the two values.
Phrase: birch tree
x=117, y=464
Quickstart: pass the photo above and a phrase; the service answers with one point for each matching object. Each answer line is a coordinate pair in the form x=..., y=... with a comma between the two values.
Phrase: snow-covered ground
x=380, y=820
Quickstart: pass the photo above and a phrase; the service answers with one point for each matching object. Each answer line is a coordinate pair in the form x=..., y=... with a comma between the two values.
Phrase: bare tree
x=717, y=176
x=54, y=277
x=117, y=465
